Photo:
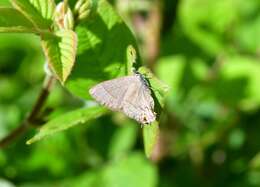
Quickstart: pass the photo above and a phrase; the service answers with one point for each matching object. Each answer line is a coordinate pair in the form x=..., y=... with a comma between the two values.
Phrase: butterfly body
x=130, y=95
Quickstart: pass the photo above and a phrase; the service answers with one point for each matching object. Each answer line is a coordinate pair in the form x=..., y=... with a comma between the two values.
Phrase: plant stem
x=24, y=126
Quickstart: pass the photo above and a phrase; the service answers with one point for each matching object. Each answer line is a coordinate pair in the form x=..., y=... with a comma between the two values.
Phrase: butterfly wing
x=110, y=93
x=129, y=94
x=138, y=102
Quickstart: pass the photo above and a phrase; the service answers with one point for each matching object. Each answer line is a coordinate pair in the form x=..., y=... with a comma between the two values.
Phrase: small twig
x=23, y=127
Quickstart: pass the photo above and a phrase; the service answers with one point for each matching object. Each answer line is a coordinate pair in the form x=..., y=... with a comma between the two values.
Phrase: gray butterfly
x=130, y=95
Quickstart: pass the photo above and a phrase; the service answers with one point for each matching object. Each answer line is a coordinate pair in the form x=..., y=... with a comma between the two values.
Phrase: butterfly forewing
x=129, y=94
x=110, y=93
x=138, y=103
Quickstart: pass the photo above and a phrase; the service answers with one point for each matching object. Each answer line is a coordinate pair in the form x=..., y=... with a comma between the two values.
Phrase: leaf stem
x=24, y=126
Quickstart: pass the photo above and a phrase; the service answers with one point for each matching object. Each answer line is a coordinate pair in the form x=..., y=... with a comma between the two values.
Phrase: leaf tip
x=62, y=81
x=30, y=141
x=33, y=139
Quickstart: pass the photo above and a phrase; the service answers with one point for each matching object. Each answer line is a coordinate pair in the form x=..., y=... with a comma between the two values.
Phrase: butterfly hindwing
x=138, y=103
x=111, y=92
x=129, y=94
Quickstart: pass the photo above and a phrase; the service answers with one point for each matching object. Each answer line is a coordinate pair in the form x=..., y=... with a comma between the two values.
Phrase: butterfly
x=129, y=94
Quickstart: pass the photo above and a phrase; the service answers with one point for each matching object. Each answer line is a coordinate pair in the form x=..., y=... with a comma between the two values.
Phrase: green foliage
x=60, y=48
x=14, y=21
x=39, y=14
x=123, y=141
x=135, y=170
x=151, y=132
x=208, y=114
x=67, y=120
x=45, y=7
x=97, y=59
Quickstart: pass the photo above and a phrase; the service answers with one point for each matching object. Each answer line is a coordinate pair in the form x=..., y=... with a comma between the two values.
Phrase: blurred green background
x=209, y=55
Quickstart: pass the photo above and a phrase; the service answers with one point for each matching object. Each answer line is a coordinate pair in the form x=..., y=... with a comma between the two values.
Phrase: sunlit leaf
x=238, y=83
x=12, y=20
x=150, y=137
x=102, y=49
x=160, y=89
x=60, y=50
x=38, y=12
x=66, y=121
x=200, y=23
x=45, y=7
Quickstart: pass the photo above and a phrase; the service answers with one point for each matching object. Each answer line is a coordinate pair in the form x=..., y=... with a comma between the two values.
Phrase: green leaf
x=247, y=35
x=150, y=137
x=66, y=121
x=5, y=3
x=151, y=132
x=131, y=59
x=123, y=140
x=200, y=23
x=40, y=13
x=45, y=7
x=12, y=20
x=159, y=88
x=255, y=162
x=102, y=49
x=170, y=70
x=133, y=170
x=60, y=50
x=238, y=84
